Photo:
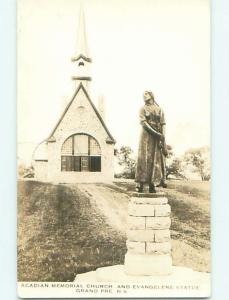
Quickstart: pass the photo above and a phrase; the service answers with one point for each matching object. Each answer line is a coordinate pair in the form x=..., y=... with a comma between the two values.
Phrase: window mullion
x=86, y=158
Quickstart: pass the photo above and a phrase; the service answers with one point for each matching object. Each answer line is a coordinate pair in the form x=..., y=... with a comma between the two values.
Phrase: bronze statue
x=152, y=147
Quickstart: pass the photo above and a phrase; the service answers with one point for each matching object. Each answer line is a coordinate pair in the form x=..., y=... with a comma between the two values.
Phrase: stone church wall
x=80, y=118
x=41, y=170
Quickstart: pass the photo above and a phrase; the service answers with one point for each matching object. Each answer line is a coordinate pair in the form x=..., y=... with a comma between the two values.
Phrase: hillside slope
x=68, y=229
x=61, y=233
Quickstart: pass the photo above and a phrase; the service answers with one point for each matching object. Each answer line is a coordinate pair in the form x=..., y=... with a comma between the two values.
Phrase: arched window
x=81, y=153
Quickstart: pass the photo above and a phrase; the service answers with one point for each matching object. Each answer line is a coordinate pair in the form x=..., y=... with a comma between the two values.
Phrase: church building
x=80, y=148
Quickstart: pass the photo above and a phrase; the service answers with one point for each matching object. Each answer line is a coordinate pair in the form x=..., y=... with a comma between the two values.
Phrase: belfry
x=81, y=56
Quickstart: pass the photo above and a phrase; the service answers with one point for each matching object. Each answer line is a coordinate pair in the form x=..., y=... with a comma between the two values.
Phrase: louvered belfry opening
x=80, y=153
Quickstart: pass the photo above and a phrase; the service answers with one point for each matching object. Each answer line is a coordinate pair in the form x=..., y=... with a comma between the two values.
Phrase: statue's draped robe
x=149, y=167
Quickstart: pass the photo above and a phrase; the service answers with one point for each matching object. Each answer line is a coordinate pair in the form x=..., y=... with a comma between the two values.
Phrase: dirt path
x=111, y=203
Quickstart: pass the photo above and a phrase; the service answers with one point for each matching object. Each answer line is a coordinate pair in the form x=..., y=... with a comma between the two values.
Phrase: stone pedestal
x=148, y=235
x=148, y=259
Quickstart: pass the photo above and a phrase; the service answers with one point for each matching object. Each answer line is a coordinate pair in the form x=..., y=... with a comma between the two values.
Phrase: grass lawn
x=63, y=230
x=61, y=234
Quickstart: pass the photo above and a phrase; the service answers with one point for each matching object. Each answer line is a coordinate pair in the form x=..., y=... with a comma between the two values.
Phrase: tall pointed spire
x=82, y=46
x=82, y=53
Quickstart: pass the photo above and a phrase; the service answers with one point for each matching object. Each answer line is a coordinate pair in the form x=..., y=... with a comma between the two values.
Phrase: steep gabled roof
x=110, y=139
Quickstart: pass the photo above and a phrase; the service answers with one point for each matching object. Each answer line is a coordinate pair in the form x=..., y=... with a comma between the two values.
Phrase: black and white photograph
x=113, y=148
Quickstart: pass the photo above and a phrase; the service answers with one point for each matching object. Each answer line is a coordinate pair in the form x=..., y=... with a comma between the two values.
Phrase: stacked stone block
x=148, y=235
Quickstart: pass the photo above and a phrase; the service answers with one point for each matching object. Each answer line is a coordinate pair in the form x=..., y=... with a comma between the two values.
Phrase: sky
x=136, y=45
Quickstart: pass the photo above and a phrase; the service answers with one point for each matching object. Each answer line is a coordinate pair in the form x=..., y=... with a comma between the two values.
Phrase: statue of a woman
x=152, y=148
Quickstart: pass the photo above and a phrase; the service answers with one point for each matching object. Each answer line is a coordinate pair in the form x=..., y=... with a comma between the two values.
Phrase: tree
x=169, y=151
x=174, y=164
x=199, y=158
x=25, y=171
x=175, y=168
x=125, y=159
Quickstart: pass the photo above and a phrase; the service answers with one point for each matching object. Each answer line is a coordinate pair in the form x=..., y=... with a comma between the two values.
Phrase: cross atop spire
x=82, y=46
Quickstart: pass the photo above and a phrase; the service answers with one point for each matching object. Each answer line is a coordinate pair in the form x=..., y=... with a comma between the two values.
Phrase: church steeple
x=82, y=57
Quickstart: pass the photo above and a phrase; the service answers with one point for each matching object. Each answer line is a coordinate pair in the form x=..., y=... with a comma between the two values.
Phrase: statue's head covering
x=149, y=93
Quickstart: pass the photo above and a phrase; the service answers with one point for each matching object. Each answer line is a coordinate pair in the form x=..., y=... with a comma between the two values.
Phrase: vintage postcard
x=113, y=148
